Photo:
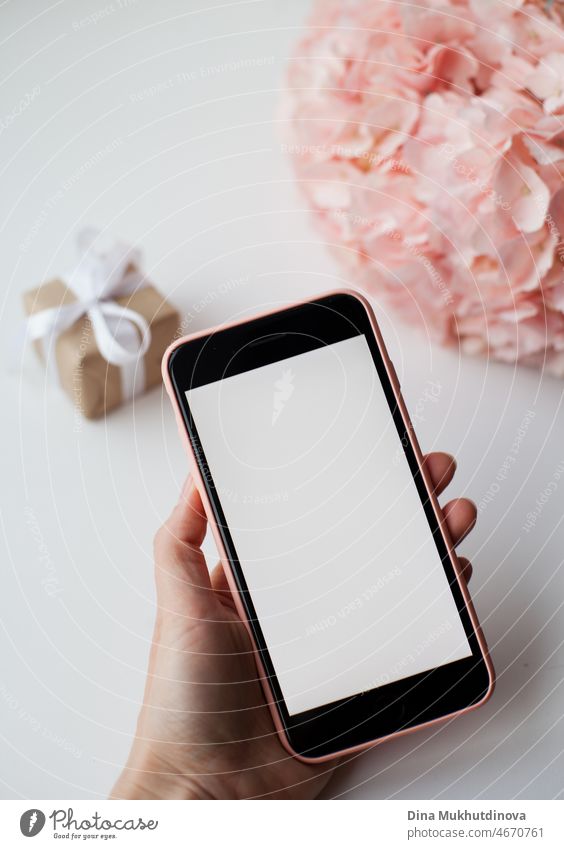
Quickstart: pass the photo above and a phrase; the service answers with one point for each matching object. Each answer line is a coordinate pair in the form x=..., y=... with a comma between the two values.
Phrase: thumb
x=180, y=566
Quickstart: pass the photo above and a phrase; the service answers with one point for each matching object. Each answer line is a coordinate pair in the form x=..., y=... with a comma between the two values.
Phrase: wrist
x=146, y=777
x=127, y=787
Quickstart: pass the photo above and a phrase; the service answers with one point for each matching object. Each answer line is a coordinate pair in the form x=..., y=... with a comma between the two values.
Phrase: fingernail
x=187, y=488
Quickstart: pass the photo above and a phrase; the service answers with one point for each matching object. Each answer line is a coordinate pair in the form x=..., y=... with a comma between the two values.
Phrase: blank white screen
x=327, y=524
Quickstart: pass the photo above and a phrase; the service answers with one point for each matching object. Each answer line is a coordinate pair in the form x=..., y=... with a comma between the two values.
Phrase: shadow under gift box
x=94, y=385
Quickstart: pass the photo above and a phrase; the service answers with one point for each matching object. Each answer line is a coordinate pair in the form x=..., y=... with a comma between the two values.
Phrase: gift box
x=103, y=329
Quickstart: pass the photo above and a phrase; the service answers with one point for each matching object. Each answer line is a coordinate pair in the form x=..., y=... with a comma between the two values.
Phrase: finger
x=441, y=467
x=220, y=585
x=460, y=515
x=465, y=568
x=187, y=523
x=180, y=566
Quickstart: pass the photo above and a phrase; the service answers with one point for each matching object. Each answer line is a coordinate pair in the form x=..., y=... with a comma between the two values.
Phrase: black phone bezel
x=389, y=708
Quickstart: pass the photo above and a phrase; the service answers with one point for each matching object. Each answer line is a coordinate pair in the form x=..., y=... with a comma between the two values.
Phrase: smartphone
x=330, y=534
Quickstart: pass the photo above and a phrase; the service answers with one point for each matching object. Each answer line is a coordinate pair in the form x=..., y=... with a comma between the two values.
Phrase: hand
x=204, y=730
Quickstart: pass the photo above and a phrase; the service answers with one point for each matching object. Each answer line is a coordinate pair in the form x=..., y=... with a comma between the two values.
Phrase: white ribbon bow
x=122, y=335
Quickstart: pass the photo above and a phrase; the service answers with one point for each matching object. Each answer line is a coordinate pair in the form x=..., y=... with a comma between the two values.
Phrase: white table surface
x=140, y=124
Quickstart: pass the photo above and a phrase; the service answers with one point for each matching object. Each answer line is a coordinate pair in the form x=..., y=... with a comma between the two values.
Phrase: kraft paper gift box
x=94, y=384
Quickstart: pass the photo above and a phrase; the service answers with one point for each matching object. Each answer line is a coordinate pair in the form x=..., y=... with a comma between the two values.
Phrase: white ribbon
x=122, y=335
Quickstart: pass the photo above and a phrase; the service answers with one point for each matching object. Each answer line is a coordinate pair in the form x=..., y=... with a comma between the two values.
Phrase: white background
x=195, y=174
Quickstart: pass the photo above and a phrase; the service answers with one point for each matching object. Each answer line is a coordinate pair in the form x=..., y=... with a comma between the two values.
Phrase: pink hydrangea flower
x=429, y=139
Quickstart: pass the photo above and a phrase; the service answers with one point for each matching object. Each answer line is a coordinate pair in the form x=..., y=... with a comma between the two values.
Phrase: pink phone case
x=195, y=471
